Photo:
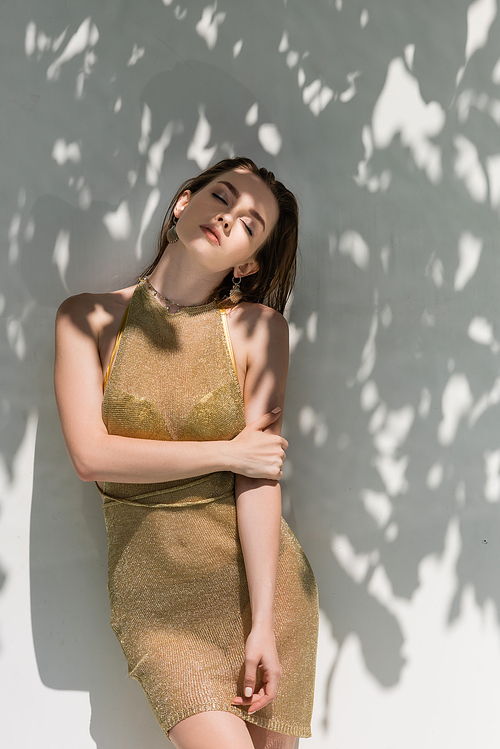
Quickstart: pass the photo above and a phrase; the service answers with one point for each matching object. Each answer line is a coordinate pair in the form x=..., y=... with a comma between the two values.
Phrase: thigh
x=211, y=730
x=264, y=739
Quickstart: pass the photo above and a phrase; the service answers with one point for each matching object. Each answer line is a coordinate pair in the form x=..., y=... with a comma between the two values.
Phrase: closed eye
x=219, y=197
x=223, y=200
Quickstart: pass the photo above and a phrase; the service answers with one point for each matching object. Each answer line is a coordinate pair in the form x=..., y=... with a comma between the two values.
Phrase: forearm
x=258, y=504
x=129, y=460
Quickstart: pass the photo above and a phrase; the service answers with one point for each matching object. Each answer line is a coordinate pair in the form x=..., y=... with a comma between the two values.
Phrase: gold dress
x=176, y=577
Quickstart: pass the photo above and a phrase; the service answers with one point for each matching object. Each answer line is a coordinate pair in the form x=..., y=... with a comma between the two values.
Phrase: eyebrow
x=237, y=194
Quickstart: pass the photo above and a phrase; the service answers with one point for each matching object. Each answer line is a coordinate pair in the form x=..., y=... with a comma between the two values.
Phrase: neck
x=178, y=279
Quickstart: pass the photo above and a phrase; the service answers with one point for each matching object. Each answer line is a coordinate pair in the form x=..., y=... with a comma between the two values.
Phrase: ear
x=182, y=203
x=247, y=269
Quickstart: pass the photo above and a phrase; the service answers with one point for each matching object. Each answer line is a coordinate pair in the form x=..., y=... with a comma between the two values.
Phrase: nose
x=225, y=220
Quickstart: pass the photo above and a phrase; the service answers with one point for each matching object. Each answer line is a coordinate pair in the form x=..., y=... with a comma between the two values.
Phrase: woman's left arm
x=258, y=503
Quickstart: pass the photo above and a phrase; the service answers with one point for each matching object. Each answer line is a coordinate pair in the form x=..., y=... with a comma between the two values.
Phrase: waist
x=199, y=490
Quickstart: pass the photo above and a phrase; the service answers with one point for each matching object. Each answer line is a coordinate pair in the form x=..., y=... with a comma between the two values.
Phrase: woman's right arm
x=99, y=456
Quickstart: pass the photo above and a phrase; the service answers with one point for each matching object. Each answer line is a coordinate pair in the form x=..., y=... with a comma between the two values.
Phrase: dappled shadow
x=393, y=396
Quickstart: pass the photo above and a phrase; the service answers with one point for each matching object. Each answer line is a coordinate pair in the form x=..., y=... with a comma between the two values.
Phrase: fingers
x=278, y=465
x=264, y=421
x=248, y=701
x=268, y=691
x=250, y=677
x=260, y=453
x=260, y=699
x=256, y=700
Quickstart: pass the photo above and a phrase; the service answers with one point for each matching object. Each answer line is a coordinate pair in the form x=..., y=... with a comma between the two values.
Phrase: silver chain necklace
x=167, y=302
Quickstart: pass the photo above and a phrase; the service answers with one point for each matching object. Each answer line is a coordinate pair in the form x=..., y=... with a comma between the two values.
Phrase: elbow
x=85, y=467
x=86, y=475
x=87, y=451
x=84, y=471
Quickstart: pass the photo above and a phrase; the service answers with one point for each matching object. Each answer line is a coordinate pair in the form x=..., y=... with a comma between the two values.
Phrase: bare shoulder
x=258, y=321
x=96, y=310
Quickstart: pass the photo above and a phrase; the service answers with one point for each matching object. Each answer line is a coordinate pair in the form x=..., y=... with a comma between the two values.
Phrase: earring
x=172, y=235
x=235, y=294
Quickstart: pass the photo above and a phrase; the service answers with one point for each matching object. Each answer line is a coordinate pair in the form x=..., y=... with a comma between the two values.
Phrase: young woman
x=212, y=598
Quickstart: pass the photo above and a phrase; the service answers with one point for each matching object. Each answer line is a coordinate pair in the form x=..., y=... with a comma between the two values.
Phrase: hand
x=260, y=654
x=259, y=454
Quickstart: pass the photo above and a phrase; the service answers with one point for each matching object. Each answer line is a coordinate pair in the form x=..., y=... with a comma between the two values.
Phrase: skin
x=218, y=232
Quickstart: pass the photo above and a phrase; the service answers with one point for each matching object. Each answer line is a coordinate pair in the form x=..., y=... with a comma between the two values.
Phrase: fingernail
x=276, y=410
x=248, y=691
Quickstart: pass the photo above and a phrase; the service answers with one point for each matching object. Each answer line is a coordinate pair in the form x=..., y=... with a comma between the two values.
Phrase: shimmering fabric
x=177, y=585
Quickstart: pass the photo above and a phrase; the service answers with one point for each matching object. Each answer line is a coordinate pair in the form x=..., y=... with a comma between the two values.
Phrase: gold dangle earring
x=172, y=235
x=236, y=293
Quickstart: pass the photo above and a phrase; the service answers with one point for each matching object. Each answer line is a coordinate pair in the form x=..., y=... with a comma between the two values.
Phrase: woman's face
x=227, y=221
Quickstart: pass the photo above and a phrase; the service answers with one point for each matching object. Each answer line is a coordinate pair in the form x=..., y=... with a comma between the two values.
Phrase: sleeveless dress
x=176, y=577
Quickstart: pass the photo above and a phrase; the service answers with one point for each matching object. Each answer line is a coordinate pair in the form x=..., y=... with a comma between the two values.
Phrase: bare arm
x=259, y=512
x=99, y=456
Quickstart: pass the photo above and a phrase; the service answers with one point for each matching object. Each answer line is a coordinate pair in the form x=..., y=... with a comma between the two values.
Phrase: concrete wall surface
x=383, y=117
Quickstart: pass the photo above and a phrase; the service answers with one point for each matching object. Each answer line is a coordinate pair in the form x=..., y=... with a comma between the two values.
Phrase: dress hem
x=272, y=724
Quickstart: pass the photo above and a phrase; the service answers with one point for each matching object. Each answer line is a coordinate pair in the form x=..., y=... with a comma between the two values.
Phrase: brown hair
x=272, y=284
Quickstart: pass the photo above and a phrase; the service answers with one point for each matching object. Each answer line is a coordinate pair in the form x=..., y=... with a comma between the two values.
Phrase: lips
x=211, y=232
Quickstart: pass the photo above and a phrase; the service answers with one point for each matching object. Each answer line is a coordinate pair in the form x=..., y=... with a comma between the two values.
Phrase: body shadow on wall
x=74, y=644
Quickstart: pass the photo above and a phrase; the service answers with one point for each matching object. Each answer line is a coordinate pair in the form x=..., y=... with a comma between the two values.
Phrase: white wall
x=385, y=121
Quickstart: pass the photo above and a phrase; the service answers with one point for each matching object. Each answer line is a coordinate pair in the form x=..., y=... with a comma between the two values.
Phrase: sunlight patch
x=401, y=109
x=424, y=405
x=369, y=396
x=493, y=170
x=487, y=400
x=350, y=92
x=87, y=35
x=468, y=169
x=156, y=154
x=237, y=48
x=492, y=468
x=435, y=269
x=208, y=25
x=118, y=222
x=16, y=337
x=396, y=429
x=469, y=254
x=369, y=353
x=455, y=404
x=409, y=55
x=481, y=331
x=355, y=565
x=310, y=421
x=393, y=473
x=137, y=53
x=480, y=16
x=378, y=505
x=252, y=115
x=63, y=152
x=198, y=150
x=312, y=327
x=270, y=138
x=30, y=39
x=317, y=96
x=147, y=215
x=435, y=476
x=352, y=243
x=284, y=43
x=60, y=256
x=495, y=74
